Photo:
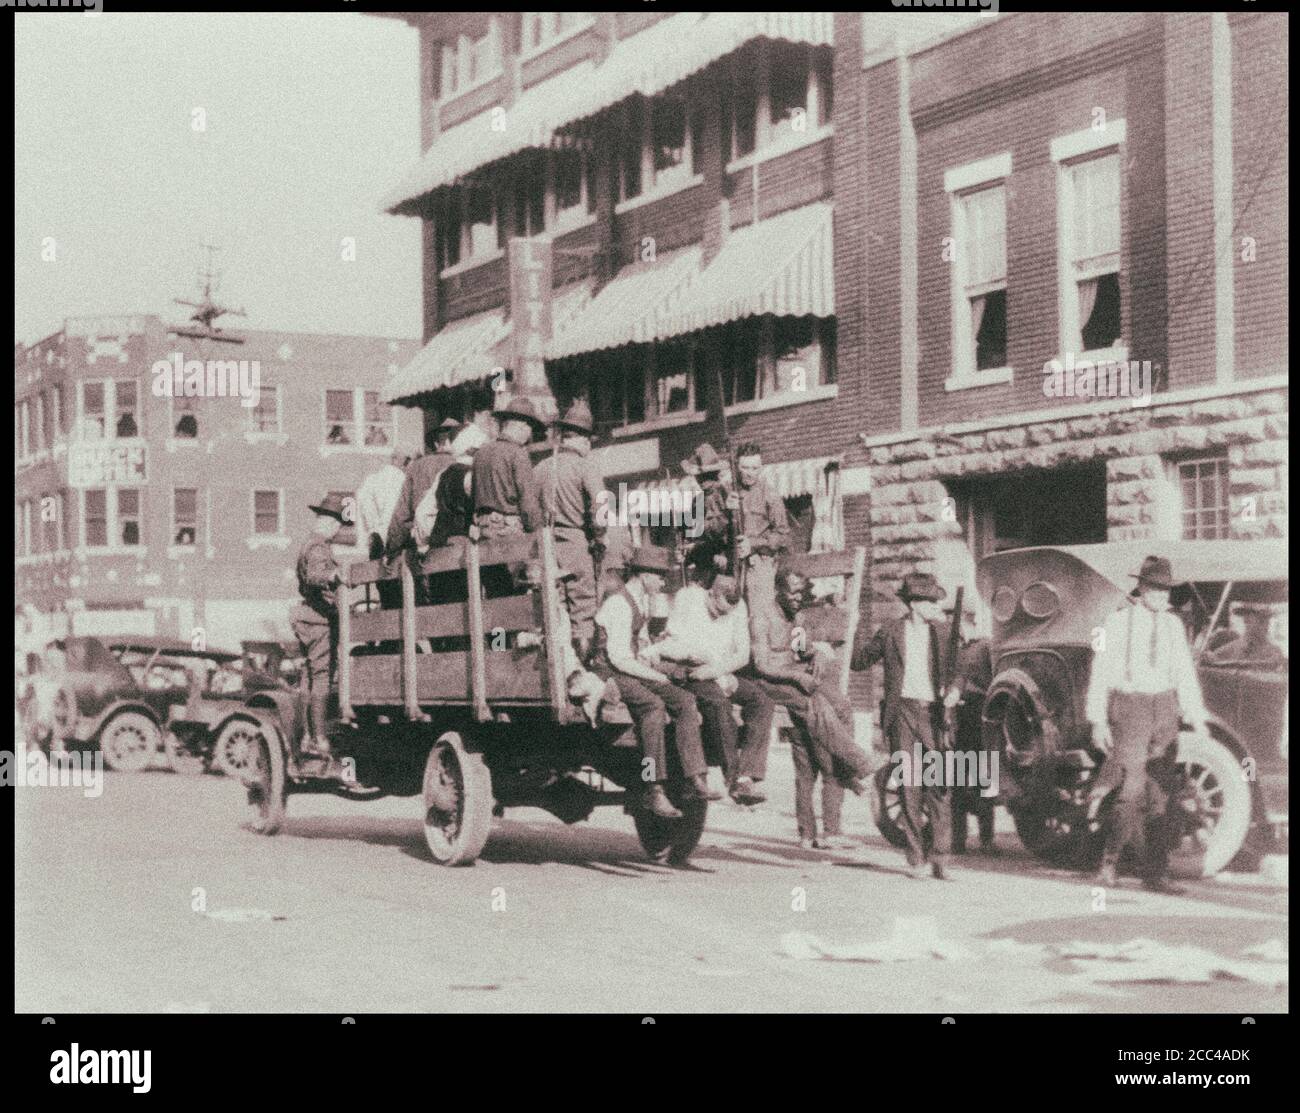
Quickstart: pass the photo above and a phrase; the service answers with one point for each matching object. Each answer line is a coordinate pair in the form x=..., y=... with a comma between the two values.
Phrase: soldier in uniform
x=763, y=530
x=502, y=484
x=572, y=490
x=315, y=619
x=421, y=474
x=1143, y=682
x=712, y=549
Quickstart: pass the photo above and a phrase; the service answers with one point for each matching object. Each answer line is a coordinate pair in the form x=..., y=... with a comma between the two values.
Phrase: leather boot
x=697, y=788
x=316, y=740
x=658, y=804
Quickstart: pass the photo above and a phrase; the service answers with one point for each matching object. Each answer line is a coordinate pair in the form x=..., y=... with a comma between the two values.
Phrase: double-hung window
x=779, y=95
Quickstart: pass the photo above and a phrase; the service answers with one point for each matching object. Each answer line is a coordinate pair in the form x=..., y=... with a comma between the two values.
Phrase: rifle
x=738, y=566
x=950, y=666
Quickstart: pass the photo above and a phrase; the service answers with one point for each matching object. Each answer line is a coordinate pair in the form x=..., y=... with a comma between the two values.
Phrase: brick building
x=864, y=237
x=135, y=512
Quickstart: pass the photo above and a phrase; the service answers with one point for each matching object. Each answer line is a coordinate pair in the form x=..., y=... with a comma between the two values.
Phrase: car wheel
x=129, y=742
x=888, y=810
x=1059, y=841
x=672, y=840
x=1212, y=809
x=457, y=802
x=236, y=747
x=263, y=777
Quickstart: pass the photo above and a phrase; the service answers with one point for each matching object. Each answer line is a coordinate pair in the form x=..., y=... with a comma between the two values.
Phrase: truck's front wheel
x=457, y=802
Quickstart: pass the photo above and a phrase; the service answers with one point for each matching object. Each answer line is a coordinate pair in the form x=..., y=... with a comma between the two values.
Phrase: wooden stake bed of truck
x=445, y=700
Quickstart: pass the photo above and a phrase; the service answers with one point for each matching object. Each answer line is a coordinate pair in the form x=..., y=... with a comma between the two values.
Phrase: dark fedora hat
x=1155, y=572
x=521, y=408
x=577, y=417
x=920, y=585
x=650, y=558
x=703, y=460
x=331, y=506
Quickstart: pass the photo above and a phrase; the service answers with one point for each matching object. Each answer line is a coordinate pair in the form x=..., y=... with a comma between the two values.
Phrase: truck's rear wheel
x=672, y=840
x=263, y=776
x=1212, y=812
x=457, y=802
x=129, y=741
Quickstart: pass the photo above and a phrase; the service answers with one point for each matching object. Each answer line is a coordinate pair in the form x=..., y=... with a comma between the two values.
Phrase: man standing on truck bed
x=315, y=620
x=571, y=489
x=1143, y=682
x=503, y=485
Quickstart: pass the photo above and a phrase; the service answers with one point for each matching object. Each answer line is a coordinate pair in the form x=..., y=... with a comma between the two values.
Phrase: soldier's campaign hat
x=920, y=585
x=577, y=417
x=331, y=506
x=650, y=558
x=703, y=460
x=521, y=408
x=1155, y=572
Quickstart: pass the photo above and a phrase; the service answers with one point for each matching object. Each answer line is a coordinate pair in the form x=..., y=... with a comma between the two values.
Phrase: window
x=25, y=442
x=471, y=61
x=1091, y=298
x=779, y=93
x=379, y=420
x=95, y=517
x=27, y=528
x=617, y=385
x=773, y=356
x=126, y=399
x=669, y=154
x=661, y=144
x=573, y=175
x=18, y=431
x=128, y=515
x=40, y=422
x=56, y=414
x=266, y=513
x=185, y=417
x=339, y=417
x=94, y=410
x=264, y=417
x=51, y=522
x=1203, y=487
x=1065, y=506
x=530, y=196
x=980, y=274
x=630, y=153
x=673, y=382
x=185, y=515
x=471, y=225
x=541, y=29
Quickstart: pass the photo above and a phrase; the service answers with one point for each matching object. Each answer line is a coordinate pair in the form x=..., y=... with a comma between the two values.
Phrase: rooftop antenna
x=202, y=323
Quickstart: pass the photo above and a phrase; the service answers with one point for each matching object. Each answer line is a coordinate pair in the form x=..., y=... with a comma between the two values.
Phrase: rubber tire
x=266, y=784
x=1220, y=768
x=672, y=841
x=886, y=806
x=470, y=787
x=180, y=759
x=221, y=759
x=133, y=761
x=1080, y=850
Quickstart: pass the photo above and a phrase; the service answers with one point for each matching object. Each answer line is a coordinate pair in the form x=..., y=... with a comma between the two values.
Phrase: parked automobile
x=1047, y=606
x=129, y=694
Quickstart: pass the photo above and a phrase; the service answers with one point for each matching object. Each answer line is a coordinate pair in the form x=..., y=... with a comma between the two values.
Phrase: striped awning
x=646, y=63
x=629, y=306
x=781, y=266
x=472, y=348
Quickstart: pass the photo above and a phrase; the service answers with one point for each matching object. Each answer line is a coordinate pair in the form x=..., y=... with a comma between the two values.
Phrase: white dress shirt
x=615, y=618
x=719, y=645
x=376, y=501
x=918, y=676
x=1144, y=651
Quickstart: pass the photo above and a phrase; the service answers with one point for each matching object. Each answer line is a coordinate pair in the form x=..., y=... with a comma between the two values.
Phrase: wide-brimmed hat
x=521, y=408
x=920, y=585
x=468, y=441
x=703, y=460
x=447, y=425
x=1155, y=572
x=331, y=506
x=650, y=558
x=577, y=417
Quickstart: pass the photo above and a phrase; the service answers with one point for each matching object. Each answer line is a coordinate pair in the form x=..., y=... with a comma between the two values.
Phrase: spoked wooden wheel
x=129, y=742
x=1211, y=814
x=235, y=747
x=263, y=778
x=888, y=808
x=457, y=802
x=672, y=840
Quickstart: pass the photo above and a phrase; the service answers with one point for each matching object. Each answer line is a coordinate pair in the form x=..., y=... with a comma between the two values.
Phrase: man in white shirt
x=1143, y=682
x=624, y=652
x=708, y=632
x=376, y=501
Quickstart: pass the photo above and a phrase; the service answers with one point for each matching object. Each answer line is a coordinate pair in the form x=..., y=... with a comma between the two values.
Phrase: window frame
x=1222, y=512
x=463, y=53
x=655, y=184
x=771, y=138
x=253, y=432
x=962, y=183
x=359, y=424
x=825, y=333
x=1069, y=152
x=182, y=546
x=254, y=533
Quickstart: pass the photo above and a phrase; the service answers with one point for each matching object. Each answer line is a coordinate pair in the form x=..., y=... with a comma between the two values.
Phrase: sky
x=306, y=121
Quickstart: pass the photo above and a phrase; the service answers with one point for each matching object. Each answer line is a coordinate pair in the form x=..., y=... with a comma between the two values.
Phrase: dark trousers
x=651, y=705
x=914, y=722
x=318, y=637
x=831, y=744
x=966, y=800
x=740, y=754
x=1141, y=762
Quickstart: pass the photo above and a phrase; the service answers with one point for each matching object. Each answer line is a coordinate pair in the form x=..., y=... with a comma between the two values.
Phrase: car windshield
x=1235, y=629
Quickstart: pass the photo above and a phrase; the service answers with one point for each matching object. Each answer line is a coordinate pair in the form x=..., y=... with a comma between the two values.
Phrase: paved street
x=151, y=898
